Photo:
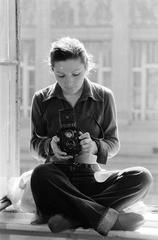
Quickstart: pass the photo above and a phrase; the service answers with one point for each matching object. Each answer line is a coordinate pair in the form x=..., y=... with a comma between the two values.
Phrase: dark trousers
x=71, y=190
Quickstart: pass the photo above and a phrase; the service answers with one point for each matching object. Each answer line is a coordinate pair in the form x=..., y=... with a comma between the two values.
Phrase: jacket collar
x=89, y=90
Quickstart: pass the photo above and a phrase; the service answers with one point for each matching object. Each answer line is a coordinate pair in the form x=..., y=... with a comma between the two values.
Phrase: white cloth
x=102, y=175
x=20, y=194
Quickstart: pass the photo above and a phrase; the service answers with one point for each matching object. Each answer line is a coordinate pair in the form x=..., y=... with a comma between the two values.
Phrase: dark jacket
x=95, y=113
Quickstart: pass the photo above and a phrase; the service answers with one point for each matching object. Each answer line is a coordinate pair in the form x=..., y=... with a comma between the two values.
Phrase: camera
x=68, y=133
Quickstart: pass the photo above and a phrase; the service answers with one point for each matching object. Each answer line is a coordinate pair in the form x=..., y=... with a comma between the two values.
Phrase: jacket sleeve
x=39, y=142
x=109, y=145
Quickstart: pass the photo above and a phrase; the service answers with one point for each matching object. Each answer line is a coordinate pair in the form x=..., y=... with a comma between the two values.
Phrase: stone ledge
x=19, y=224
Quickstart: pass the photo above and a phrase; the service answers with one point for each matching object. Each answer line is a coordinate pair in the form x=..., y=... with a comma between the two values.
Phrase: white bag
x=20, y=194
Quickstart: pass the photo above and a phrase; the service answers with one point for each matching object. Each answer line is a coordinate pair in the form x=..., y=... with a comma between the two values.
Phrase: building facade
x=122, y=36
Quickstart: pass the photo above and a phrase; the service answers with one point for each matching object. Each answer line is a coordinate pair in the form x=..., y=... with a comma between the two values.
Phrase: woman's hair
x=69, y=48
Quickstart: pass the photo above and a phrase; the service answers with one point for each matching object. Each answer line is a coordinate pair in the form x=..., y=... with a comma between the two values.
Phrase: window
x=26, y=91
x=9, y=61
x=104, y=67
x=145, y=80
x=27, y=77
x=101, y=52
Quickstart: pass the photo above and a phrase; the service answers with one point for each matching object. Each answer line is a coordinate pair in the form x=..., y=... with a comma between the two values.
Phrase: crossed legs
x=55, y=191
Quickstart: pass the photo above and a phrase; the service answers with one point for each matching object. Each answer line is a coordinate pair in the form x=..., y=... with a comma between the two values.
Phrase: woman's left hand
x=87, y=144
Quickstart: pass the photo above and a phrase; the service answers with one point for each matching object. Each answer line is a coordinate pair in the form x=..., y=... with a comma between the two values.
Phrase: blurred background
x=122, y=36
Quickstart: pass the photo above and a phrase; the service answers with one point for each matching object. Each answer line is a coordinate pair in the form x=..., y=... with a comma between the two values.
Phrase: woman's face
x=70, y=75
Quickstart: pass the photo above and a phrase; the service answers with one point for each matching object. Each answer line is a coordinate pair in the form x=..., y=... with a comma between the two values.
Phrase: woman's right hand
x=60, y=155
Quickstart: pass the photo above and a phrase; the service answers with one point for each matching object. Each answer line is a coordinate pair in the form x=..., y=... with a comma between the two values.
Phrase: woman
x=69, y=189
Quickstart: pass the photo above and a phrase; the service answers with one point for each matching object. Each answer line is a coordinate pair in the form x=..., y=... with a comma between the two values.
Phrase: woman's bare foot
x=129, y=221
x=59, y=223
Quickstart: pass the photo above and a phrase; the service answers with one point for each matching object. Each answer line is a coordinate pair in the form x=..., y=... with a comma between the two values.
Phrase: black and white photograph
x=79, y=119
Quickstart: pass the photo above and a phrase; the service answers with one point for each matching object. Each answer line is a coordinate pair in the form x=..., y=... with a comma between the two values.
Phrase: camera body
x=68, y=133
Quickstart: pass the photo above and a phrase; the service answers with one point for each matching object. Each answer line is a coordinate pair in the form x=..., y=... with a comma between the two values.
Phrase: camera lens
x=69, y=134
x=70, y=144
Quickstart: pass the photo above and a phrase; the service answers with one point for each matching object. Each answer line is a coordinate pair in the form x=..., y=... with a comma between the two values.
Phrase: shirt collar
x=53, y=91
x=89, y=91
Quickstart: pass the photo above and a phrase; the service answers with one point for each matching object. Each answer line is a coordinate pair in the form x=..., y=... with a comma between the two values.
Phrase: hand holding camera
x=68, y=133
x=70, y=142
x=60, y=155
x=87, y=144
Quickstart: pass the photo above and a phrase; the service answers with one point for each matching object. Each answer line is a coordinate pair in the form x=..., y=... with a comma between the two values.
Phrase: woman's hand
x=87, y=144
x=57, y=151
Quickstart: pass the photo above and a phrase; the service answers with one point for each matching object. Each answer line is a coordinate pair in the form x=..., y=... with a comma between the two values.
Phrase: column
x=121, y=58
x=9, y=154
x=42, y=43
